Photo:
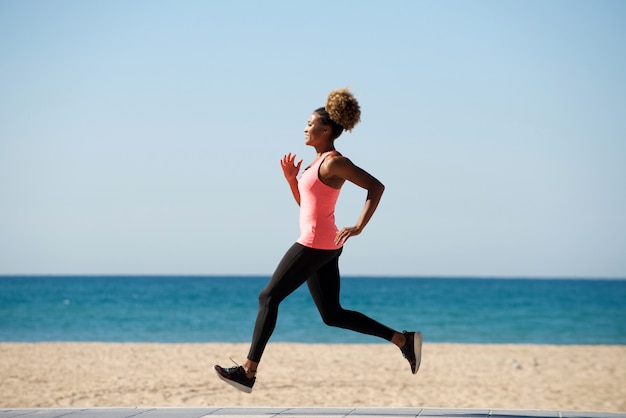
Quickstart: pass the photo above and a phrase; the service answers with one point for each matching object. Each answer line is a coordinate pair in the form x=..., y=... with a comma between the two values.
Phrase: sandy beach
x=451, y=376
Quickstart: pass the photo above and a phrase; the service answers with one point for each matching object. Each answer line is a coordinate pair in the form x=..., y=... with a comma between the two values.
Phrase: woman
x=314, y=257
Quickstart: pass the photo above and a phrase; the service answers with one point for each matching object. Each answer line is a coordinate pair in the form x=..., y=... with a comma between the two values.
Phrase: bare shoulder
x=337, y=162
x=341, y=167
x=337, y=169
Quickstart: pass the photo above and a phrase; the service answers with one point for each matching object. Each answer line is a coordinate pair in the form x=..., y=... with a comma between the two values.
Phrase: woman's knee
x=268, y=300
x=264, y=296
x=332, y=317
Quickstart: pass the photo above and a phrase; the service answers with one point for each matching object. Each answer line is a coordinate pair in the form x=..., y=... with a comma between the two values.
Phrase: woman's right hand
x=290, y=168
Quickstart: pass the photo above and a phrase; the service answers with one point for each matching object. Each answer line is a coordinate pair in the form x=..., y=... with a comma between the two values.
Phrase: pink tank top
x=317, y=209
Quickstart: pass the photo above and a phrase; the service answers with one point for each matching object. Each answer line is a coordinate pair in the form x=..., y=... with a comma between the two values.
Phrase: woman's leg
x=298, y=264
x=321, y=269
x=324, y=286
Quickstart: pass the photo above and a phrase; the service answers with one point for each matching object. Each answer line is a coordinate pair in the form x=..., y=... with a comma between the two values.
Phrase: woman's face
x=315, y=131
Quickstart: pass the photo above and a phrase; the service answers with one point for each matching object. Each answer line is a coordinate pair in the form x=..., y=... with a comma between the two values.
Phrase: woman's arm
x=291, y=170
x=339, y=169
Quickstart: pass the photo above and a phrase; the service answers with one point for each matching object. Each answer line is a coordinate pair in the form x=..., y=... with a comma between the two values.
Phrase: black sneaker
x=412, y=349
x=236, y=376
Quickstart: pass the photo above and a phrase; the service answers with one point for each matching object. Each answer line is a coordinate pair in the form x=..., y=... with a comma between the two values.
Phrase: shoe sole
x=234, y=384
x=417, y=350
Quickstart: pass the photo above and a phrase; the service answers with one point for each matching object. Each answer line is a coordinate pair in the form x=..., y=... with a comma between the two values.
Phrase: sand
x=590, y=378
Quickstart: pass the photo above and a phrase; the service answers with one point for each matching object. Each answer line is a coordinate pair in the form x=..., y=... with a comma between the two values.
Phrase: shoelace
x=233, y=369
x=237, y=368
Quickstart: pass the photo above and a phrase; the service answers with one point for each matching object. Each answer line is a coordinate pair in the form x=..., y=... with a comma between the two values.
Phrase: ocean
x=180, y=309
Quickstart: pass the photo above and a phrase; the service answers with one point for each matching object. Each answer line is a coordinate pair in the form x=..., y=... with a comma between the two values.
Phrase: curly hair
x=341, y=111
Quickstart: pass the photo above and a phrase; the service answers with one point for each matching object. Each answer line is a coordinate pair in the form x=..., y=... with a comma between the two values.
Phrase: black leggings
x=320, y=269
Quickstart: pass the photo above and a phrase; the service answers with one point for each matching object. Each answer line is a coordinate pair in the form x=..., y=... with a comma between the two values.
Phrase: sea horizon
x=222, y=308
x=343, y=276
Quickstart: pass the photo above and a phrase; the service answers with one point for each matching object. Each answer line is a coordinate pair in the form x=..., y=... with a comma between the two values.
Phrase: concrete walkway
x=285, y=412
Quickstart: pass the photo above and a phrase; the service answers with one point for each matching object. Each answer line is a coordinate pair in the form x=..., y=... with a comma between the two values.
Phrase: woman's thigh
x=297, y=265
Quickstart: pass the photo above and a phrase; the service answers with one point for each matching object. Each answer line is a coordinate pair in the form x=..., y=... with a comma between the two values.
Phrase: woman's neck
x=323, y=150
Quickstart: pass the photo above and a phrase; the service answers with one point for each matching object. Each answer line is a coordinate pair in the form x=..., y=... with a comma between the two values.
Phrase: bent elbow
x=376, y=189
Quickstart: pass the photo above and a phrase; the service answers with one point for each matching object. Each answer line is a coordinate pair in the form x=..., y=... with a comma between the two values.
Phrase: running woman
x=314, y=258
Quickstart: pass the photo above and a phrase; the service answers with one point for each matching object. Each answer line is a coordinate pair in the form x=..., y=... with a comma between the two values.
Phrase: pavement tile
x=267, y=412
x=176, y=412
x=4, y=413
x=234, y=412
x=39, y=413
x=384, y=412
x=579, y=414
x=317, y=412
x=465, y=413
x=105, y=412
x=523, y=413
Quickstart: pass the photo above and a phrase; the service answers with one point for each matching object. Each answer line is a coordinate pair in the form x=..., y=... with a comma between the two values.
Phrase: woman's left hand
x=344, y=233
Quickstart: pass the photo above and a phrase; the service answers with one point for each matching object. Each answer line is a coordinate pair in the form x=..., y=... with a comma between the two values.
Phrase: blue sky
x=144, y=137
